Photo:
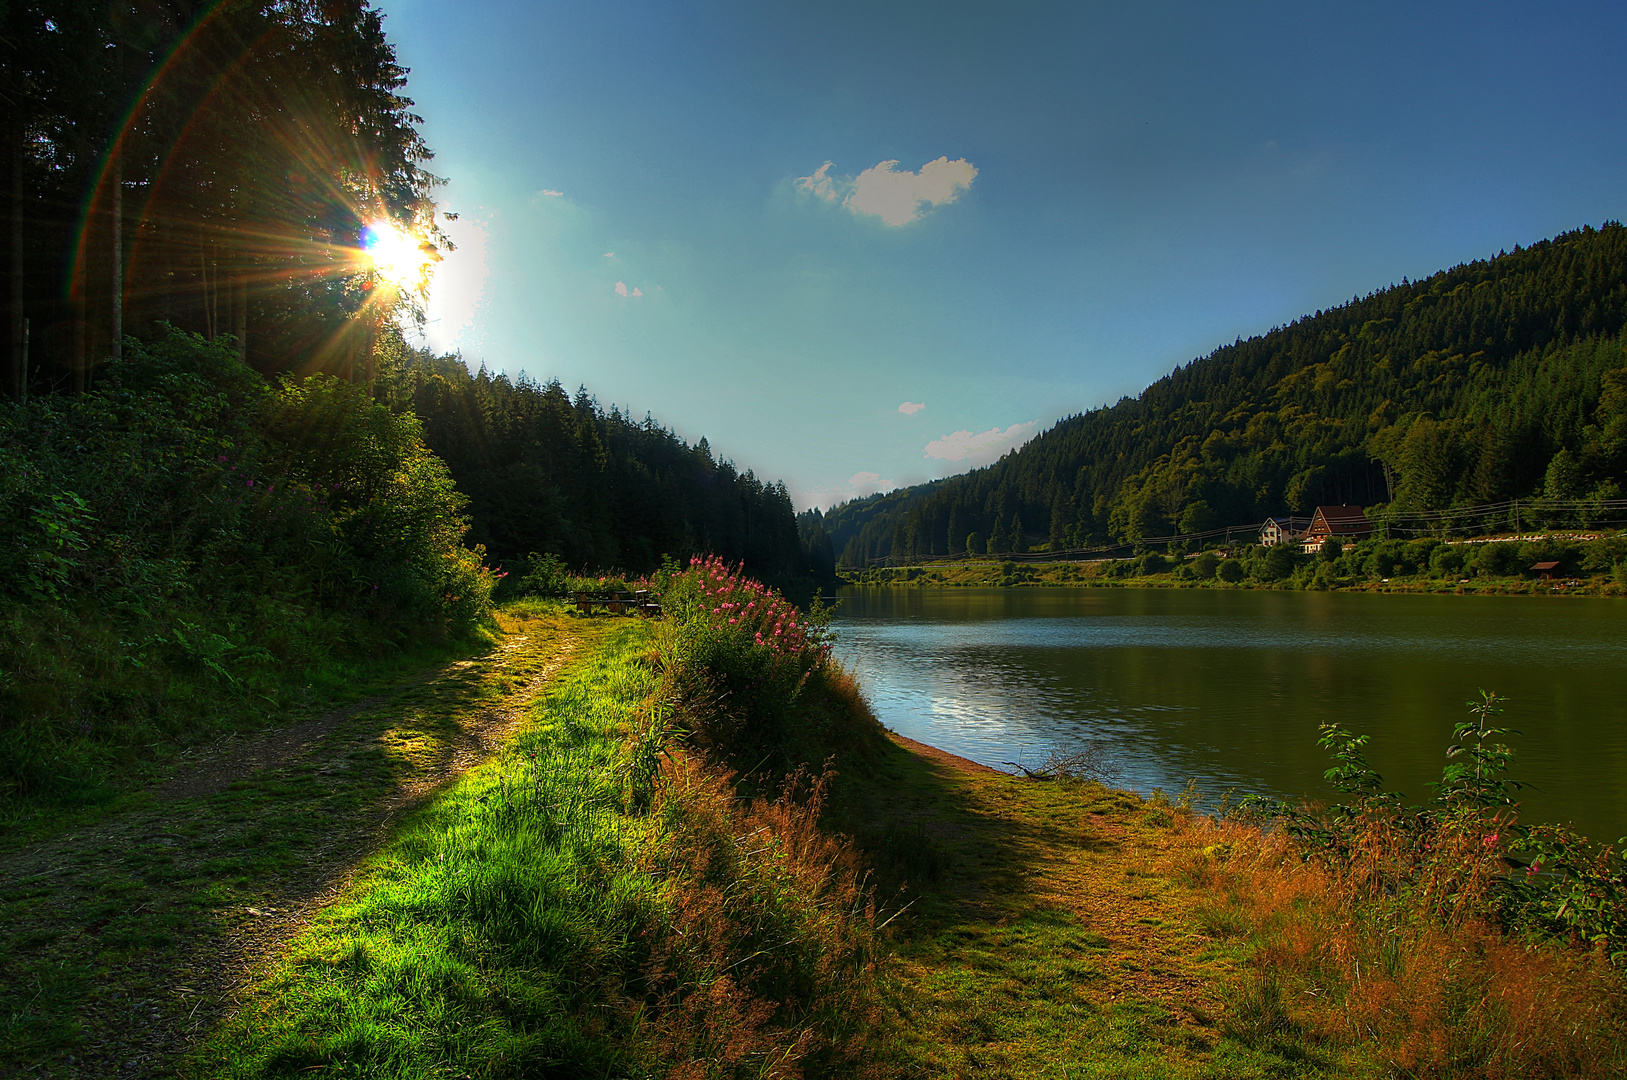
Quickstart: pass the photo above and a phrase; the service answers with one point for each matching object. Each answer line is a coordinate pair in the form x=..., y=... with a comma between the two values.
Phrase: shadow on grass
x=124, y=938
x=1044, y=931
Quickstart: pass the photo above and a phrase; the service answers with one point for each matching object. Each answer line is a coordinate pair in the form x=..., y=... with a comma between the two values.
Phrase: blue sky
x=1029, y=209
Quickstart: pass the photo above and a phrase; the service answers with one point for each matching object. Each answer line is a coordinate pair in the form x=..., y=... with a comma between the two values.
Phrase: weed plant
x=1459, y=941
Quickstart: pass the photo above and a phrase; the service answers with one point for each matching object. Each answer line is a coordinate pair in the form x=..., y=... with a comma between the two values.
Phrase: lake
x=1227, y=687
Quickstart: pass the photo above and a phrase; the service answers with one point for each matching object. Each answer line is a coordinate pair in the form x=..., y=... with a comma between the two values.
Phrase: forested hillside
x=553, y=473
x=1500, y=378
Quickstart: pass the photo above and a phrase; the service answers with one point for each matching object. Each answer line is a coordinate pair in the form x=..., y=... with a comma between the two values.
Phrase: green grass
x=552, y=915
x=147, y=896
x=1049, y=934
x=54, y=779
x=478, y=940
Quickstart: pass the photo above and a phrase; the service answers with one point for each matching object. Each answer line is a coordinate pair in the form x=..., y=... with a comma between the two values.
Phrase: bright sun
x=398, y=257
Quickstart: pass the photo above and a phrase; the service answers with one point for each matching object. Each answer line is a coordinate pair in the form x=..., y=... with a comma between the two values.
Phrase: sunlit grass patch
x=554, y=914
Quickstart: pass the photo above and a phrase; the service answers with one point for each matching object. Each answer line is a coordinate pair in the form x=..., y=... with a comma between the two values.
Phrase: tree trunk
x=117, y=350
x=18, y=335
x=240, y=315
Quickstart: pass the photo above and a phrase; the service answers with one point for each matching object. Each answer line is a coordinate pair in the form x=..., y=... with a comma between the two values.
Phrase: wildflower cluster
x=723, y=596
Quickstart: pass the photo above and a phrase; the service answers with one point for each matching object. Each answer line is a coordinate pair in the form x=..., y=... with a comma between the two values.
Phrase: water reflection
x=1228, y=687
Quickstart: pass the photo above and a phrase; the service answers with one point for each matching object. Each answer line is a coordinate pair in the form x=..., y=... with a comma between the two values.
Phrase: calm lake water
x=1228, y=687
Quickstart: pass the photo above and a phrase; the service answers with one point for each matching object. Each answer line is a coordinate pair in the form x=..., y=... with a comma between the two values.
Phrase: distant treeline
x=547, y=472
x=1497, y=379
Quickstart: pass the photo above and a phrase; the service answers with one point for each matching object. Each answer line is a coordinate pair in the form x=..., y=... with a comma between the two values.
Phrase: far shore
x=1097, y=575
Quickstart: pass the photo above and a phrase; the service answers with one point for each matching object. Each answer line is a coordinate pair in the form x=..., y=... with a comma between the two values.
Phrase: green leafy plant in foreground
x=1466, y=854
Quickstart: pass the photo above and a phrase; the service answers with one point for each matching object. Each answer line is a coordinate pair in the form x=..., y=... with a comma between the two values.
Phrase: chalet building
x=1344, y=522
x=1282, y=530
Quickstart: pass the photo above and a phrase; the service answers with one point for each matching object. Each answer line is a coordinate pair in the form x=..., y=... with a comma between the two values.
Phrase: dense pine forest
x=1501, y=378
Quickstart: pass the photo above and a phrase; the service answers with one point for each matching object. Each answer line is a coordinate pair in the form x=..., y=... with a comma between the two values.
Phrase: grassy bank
x=617, y=847
x=594, y=901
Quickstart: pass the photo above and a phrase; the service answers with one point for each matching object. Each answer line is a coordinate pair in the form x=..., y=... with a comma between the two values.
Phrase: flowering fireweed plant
x=740, y=662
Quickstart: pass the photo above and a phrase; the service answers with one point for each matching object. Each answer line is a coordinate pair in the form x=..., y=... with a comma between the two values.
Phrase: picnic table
x=617, y=602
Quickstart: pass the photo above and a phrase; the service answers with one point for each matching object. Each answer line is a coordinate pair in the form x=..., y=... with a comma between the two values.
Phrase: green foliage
x=1461, y=389
x=1206, y=565
x=1455, y=853
x=750, y=675
x=1231, y=571
x=183, y=540
x=1475, y=777
x=546, y=473
x=544, y=575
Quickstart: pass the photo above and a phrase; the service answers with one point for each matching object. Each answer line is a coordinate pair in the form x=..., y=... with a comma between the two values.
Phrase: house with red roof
x=1344, y=522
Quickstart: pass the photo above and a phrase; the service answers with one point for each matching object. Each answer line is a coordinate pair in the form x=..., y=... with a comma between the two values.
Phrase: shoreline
x=920, y=577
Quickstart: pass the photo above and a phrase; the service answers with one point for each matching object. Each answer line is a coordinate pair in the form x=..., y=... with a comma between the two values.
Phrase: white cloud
x=982, y=447
x=623, y=290
x=858, y=485
x=637, y=291
x=910, y=408
x=550, y=193
x=896, y=196
x=610, y=254
x=868, y=483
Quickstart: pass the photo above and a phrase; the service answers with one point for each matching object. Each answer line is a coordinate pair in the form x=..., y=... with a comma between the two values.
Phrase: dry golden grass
x=1418, y=974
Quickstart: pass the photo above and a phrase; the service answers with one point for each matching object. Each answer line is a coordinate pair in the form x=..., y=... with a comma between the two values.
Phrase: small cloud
x=896, y=196
x=610, y=254
x=982, y=447
x=858, y=486
x=910, y=408
x=550, y=193
x=621, y=288
x=636, y=291
x=868, y=483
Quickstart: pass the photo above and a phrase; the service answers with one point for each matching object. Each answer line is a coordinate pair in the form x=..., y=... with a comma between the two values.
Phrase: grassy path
x=125, y=939
x=1054, y=931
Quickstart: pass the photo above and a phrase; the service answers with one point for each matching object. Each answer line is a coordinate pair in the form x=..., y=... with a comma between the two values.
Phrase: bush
x=1448, y=560
x=747, y=672
x=1230, y=570
x=1278, y=562
x=1151, y=563
x=1205, y=565
x=181, y=540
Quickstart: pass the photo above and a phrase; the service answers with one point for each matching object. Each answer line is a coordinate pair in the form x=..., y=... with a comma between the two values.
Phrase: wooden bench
x=617, y=602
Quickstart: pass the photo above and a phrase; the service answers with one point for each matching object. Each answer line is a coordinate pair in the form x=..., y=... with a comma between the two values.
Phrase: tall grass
x=1420, y=929
x=600, y=900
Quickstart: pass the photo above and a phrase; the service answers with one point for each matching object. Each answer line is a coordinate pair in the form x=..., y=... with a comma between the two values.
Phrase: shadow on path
x=125, y=940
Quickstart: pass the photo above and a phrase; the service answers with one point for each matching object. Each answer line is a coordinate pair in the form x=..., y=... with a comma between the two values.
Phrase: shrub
x=1447, y=560
x=749, y=674
x=1205, y=565
x=176, y=539
x=1230, y=570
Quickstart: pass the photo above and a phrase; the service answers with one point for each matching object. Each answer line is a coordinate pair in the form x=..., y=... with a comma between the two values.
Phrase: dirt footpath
x=125, y=940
